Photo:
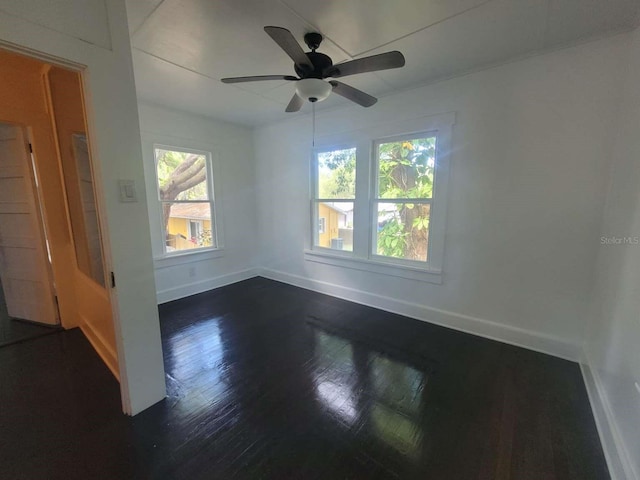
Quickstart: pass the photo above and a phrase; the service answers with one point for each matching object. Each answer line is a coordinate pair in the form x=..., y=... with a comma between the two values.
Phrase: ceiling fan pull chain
x=313, y=124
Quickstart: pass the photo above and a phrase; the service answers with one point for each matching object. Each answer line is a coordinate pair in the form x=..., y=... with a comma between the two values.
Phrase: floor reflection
x=369, y=392
x=397, y=390
x=335, y=376
x=195, y=355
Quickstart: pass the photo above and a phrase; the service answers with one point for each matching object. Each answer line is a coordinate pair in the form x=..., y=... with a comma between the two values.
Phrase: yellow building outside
x=188, y=226
x=328, y=218
x=333, y=224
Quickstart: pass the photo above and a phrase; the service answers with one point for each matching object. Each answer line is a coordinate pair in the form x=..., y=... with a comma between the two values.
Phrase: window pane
x=188, y=225
x=334, y=226
x=405, y=168
x=403, y=230
x=337, y=174
x=181, y=175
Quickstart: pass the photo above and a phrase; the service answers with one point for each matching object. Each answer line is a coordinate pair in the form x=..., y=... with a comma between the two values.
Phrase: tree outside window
x=405, y=173
x=394, y=222
x=184, y=192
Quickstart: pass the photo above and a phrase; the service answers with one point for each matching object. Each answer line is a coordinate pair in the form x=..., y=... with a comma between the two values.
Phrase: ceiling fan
x=313, y=68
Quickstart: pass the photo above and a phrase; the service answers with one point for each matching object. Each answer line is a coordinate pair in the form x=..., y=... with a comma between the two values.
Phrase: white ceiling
x=181, y=48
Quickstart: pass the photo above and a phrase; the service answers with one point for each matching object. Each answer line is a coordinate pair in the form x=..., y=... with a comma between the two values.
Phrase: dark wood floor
x=270, y=381
x=13, y=331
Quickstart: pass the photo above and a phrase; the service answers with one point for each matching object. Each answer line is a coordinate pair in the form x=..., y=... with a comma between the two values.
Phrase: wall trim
x=476, y=326
x=103, y=349
x=616, y=454
x=184, y=257
x=419, y=274
x=188, y=289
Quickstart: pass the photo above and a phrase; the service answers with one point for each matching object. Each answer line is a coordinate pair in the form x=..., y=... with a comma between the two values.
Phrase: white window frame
x=375, y=199
x=363, y=257
x=210, y=193
x=315, y=197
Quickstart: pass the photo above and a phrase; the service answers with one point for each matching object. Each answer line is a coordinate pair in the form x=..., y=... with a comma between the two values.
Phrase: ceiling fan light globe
x=313, y=89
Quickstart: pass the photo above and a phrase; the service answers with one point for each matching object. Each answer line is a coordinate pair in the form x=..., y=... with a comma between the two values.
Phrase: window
x=322, y=224
x=379, y=204
x=333, y=204
x=195, y=229
x=403, y=171
x=185, y=191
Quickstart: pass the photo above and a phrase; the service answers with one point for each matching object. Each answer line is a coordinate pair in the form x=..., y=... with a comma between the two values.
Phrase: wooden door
x=93, y=302
x=25, y=268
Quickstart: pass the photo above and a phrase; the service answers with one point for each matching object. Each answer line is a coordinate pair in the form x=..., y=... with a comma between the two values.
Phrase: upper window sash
x=427, y=152
x=332, y=164
x=208, y=173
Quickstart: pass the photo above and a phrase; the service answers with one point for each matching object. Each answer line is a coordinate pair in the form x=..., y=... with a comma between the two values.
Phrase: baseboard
x=186, y=290
x=476, y=326
x=109, y=357
x=620, y=467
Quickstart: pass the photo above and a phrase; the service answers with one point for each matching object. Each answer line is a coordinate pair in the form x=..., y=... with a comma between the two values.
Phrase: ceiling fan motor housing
x=320, y=62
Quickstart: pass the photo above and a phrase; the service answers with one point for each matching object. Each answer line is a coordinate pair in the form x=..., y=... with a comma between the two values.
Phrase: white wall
x=94, y=33
x=613, y=337
x=232, y=155
x=528, y=176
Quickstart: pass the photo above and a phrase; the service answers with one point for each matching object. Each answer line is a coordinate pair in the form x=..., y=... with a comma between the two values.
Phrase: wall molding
x=188, y=289
x=183, y=258
x=476, y=326
x=616, y=454
x=107, y=354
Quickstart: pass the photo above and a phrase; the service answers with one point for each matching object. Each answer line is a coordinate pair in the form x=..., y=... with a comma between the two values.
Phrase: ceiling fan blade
x=258, y=78
x=353, y=94
x=290, y=45
x=384, y=61
x=295, y=104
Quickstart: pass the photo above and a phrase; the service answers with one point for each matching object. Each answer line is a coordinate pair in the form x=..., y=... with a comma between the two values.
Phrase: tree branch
x=182, y=180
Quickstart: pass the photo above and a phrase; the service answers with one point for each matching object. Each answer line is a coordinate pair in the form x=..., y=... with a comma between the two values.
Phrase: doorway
x=52, y=265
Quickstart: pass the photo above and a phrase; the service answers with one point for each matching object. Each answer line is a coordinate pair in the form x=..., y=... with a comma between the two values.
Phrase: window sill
x=375, y=266
x=173, y=259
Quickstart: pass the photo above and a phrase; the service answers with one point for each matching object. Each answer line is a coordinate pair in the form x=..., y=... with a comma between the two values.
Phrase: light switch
x=127, y=190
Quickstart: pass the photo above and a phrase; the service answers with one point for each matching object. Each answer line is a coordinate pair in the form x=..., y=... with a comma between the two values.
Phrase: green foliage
x=405, y=170
x=167, y=163
x=392, y=238
x=205, y=238
x=337, y=174
x=420, y=223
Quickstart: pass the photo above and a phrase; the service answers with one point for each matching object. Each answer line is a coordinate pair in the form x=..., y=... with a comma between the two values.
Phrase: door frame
x=83, y=71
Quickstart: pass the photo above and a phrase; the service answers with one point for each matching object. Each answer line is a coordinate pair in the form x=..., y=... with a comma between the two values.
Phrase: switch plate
x=127, y=191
